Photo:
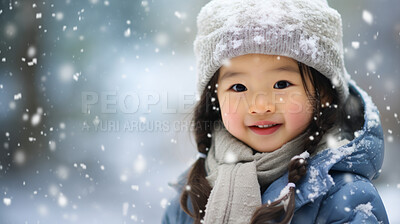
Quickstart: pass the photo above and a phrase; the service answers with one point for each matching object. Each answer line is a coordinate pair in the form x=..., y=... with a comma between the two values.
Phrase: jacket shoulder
x=174, y=214
x=352, y=199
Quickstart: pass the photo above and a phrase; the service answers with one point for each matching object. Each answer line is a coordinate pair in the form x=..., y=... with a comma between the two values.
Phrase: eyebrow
x=286, y=68
x=230, y=74
x=277, y=69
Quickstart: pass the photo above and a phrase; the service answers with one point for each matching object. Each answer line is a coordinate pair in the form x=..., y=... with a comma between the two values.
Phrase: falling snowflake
x=230, y=157
x=18, y=96
x=164, y=203
x=62, y=200
x=367, y=17
x=7, y=201
x=139, y=165
x=355, y=44
x=127, y=32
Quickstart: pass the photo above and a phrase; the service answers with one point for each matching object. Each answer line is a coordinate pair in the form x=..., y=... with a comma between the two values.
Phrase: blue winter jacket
x=337, y=187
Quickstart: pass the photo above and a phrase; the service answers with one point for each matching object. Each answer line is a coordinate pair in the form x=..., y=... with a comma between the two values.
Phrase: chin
x=264, y=149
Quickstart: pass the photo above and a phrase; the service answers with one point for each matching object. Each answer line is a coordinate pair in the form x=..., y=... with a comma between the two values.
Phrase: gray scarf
x=236, y=176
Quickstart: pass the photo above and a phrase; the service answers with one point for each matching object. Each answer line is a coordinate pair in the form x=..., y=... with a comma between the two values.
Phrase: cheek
x=231, y=122
x=231, y=113
x=298, y=113
x=297, y=121
x=297, y=103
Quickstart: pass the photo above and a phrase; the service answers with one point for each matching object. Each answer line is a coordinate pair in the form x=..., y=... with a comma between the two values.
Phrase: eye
x=282, y=84
x=239, y=88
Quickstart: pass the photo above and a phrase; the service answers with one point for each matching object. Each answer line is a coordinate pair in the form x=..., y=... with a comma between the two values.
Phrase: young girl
x=283, y=133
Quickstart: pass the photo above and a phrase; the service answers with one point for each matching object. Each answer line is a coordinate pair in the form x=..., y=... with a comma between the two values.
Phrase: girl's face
x=262, y=100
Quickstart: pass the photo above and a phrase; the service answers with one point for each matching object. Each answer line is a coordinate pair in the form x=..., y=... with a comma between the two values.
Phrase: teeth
x=266, y=126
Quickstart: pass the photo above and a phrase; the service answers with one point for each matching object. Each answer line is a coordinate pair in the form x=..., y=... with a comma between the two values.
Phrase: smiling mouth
x=265, y=129
x=265, y=126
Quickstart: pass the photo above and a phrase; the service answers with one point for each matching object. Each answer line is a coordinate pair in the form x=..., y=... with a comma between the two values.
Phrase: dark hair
x=206, y=114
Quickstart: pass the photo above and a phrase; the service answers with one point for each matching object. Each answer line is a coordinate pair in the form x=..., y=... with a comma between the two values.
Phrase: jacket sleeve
x=171, y=213
x=353, y=199
x=174, y=213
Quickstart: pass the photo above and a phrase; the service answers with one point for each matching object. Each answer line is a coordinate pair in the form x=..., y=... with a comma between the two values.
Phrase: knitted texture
x=236, y=176
x=308, y=31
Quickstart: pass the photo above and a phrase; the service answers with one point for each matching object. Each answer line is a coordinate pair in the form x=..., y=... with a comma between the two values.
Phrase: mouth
x=265, y=126
x=265, y=129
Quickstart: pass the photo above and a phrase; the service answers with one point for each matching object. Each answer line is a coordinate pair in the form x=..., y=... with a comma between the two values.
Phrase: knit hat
x=308, y=31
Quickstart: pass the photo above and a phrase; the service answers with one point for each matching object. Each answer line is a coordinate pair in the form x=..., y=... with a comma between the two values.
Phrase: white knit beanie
x=308, y=31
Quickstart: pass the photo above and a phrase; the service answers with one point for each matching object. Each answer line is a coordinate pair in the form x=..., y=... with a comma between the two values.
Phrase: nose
x=261, y=104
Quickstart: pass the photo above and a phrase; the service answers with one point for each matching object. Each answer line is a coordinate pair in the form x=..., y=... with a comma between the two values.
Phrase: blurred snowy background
x=95, y=96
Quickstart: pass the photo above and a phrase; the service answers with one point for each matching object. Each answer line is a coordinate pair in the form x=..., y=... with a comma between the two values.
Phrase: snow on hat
x=308, y=31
